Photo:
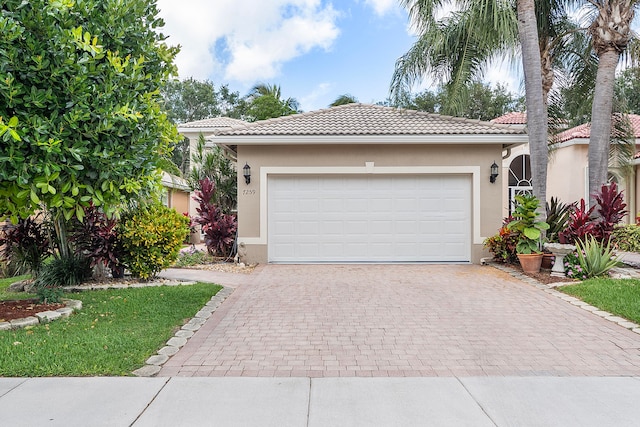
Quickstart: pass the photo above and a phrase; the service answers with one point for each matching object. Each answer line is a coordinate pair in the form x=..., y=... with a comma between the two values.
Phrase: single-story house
x=568, y=168
x=367, y=183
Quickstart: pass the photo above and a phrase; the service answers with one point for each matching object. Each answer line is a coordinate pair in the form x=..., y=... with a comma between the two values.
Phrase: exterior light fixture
x=247, y=173
x=494, y=173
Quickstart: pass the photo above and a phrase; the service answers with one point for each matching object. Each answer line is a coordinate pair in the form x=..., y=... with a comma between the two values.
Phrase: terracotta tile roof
x=514, y=118
x=213, y=122
x=584, y=131
x=366, y=119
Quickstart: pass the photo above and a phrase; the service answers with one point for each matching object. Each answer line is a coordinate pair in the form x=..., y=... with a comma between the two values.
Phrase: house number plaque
x=248, y=192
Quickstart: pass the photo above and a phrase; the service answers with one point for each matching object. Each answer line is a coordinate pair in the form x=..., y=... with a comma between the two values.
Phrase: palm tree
x=265, y=102
x=343, y=100
x=459, y=47
x=610, y=30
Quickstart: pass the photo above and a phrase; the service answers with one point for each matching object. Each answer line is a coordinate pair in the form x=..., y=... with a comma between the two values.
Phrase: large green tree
x=80, y=108
x=459, y=48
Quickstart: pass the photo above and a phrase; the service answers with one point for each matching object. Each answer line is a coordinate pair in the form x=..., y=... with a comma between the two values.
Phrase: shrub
x=503, y=246
x=611, y=210
x=25, y=246
x=219, y=228
x=580, y=224
x=572, y=267
x=96, y=237
x=61, y=271
x=151, y=238
x=626, y=237
x=596, y=258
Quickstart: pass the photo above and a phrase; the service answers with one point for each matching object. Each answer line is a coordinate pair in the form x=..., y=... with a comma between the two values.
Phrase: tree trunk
x=537, y=120
x=601, y=111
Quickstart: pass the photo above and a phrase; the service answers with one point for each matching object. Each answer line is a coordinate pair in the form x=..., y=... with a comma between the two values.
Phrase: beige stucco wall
x=482, y=156
x=566, y=173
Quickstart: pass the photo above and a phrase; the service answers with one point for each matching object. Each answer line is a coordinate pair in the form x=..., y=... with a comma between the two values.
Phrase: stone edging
x=550, y=289
x=154, y=363
x=43, y=316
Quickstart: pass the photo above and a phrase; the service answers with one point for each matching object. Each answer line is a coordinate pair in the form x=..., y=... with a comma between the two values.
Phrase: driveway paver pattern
x=401, y=320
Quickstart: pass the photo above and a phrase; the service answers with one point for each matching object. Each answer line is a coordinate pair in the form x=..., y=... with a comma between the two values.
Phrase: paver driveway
x=401, y=320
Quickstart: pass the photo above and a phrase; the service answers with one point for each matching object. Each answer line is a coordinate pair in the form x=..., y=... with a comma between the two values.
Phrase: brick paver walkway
x=401, y=320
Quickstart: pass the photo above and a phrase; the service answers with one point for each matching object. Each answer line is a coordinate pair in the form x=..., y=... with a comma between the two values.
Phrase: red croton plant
x=219, y=228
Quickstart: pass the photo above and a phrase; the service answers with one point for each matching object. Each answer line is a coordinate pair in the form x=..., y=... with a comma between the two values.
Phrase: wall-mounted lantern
x=247, y=173
x=494, y=173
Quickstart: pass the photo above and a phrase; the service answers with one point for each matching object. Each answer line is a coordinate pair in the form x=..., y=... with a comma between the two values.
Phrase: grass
x=620, y=297
x=4, y=286
x=113, y=334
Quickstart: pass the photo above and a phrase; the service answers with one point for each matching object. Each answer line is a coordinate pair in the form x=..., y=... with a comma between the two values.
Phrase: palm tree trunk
x=537, y=120
x=601, y=120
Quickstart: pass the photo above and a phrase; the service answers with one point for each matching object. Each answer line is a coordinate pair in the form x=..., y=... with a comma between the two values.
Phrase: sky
x=315, y=50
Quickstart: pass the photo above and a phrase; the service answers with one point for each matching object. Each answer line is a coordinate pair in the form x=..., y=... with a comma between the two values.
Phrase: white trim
x=510, y=139
x=265, y=171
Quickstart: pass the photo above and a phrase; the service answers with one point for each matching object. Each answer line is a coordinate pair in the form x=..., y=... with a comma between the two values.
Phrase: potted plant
x=530, y=231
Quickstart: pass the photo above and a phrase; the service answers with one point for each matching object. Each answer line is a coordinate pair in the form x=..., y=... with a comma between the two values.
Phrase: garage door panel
x=369, y=218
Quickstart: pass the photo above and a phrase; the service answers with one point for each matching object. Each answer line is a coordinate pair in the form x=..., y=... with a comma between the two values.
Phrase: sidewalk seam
x=150, y=402
x=476, y=401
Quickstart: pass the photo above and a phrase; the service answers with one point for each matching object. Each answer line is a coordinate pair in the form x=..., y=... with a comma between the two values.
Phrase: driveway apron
x=401, y=320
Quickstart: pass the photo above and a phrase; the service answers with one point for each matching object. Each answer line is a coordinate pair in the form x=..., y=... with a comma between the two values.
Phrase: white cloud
x=382, y=7
x=259, y=36
x=313, y=100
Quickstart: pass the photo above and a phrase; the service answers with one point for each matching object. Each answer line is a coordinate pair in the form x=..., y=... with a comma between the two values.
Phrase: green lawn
x=5, y=294
x=113, y=334
x=617, y=296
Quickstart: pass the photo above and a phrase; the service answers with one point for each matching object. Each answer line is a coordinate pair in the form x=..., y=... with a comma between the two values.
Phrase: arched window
x=519, y=178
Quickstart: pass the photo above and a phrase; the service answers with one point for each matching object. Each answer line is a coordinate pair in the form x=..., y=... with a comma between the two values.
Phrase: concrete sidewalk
x=320, y=402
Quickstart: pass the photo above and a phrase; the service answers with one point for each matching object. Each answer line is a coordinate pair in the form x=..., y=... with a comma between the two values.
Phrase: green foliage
x=151, y=237
x=503, y=246
x=113, y=334
x=526, y=224
x=265, y=102
x=80, y=104
x=213, y=165
x=595, y=258
x=476, y=100
x=25, y=245
x=626, y=237
x=344, y=100
x=558, y=214
x=58, y=272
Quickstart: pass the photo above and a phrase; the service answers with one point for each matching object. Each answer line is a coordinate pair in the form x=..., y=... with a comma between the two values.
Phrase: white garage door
x=369, y=218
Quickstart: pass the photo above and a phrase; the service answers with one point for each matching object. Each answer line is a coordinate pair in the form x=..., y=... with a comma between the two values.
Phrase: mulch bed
x=17, y=309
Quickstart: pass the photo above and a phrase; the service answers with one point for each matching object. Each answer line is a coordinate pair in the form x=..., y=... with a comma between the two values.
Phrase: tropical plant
x=265, y=102
x=610, y=209
x=503, y=245
x=219, y=228
x=25, y=245
x=610, y=29
x=343, y=100
x=572, y=267
x=626, y=238
x=558, y=215
x=212, y=164
x=460, y=46
x=527, y=224
x=580, y=224
x=151, y=237
x=596, y=258
x=96, y=238
x=80, y=106
x=64, y=271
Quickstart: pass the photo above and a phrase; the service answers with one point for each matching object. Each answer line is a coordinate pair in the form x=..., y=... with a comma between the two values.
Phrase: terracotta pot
x=530, y=263
x=547, y=261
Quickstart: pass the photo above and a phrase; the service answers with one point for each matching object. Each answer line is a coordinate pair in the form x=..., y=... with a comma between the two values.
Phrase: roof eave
x=467, y=139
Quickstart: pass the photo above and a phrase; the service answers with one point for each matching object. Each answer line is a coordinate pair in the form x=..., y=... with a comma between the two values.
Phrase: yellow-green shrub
x=151, y=237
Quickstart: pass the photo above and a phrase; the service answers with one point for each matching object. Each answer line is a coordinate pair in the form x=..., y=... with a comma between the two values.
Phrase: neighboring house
x=177, y=193
x=568, y=171
x=366, y=183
